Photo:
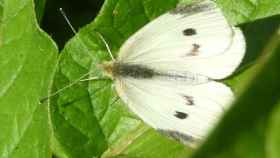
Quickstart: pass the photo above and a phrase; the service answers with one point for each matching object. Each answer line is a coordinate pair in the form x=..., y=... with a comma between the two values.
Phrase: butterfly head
x=107, y=68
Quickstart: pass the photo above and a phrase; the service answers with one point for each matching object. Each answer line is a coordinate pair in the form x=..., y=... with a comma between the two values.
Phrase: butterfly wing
x=195, y=37
x=194, y=42
x=182, y=111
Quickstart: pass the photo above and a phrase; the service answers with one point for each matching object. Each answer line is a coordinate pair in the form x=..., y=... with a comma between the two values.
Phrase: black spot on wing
x=189, y=99
x=194, y=51
x=180, y=115
x=193, y=8
x=189, y=32
x=195, y=48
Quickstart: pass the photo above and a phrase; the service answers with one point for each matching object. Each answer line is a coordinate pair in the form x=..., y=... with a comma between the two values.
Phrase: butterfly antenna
x=107, y=45
x=74, y=82
x=68, y=21
x=64, y=88
x=83, y=76
x=75, y=32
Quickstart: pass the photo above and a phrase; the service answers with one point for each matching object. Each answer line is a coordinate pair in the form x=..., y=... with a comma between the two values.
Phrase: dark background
x=79, y=12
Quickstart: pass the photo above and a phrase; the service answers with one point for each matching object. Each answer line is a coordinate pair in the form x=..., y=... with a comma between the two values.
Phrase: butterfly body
x=133, y=70
x=168, y=71
x=116, y=70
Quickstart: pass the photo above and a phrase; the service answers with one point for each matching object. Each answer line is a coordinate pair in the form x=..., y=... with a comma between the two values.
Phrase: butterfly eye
x=189, y=32
x=181, y=115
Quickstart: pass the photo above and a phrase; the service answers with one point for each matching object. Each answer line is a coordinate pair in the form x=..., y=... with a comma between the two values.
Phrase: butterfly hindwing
x=187, y=110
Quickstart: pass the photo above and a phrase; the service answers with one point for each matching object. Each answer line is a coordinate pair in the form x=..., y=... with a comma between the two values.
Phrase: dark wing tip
x=194, y=8
x=178, y=136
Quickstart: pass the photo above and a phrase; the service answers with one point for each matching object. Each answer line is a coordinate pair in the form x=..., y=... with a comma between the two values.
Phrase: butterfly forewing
x=186, y=34
x=217, y=66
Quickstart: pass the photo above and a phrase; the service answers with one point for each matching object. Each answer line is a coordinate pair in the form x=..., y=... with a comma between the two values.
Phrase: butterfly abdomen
x=132, y=70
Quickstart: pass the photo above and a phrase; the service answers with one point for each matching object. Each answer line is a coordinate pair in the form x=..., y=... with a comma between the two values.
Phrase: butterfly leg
x=94, y=79
x=81, y=79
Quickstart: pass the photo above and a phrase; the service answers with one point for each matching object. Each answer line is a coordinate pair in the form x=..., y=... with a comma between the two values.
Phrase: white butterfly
x=166, y=72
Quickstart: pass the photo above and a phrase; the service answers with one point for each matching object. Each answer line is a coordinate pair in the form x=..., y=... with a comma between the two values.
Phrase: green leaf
x=1, y=16
x=257, y=34
x=249, y=10
x=273, y=136
x=242, y=131
x=1, y=10
x=39, y=9
x=27, y=62
x=89, y=113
